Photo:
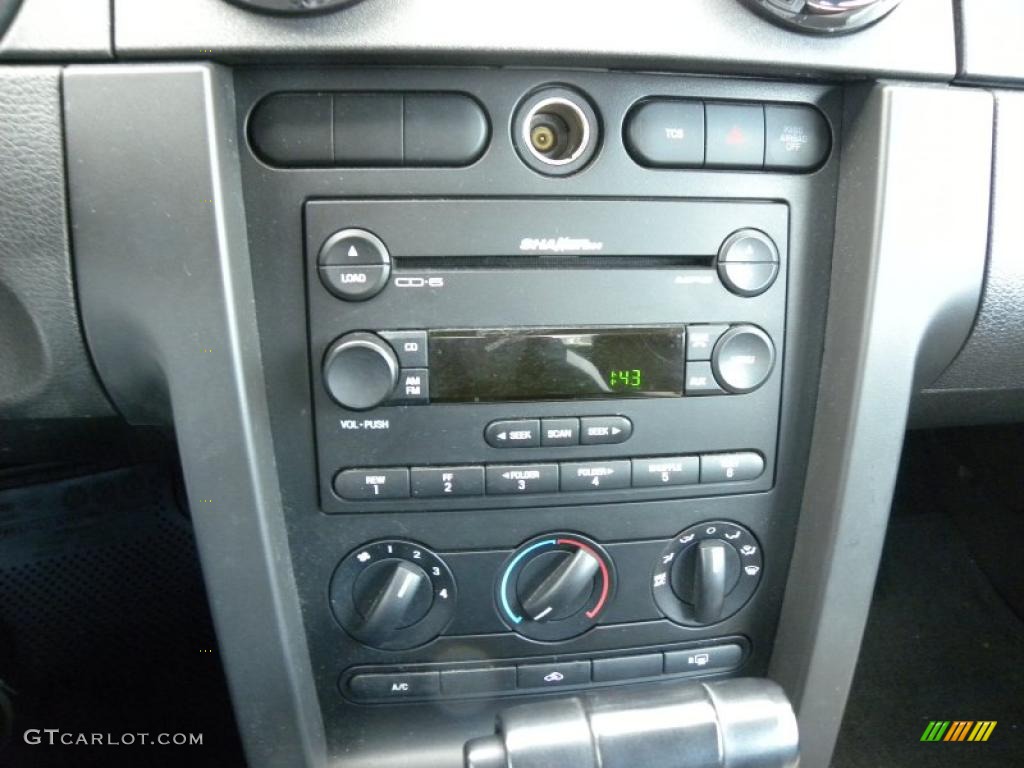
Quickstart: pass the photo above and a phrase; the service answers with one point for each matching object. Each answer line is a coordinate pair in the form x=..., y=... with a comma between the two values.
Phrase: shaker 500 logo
x=560, y=244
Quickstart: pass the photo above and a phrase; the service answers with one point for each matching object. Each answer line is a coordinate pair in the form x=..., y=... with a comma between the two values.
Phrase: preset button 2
x=437, y=482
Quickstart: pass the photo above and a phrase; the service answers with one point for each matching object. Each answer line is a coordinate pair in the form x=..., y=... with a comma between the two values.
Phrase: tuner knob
x=829, y=17
x=743, y=358
x=393, y=595
x=554, y=587
x=707, y=573
x=360, y=371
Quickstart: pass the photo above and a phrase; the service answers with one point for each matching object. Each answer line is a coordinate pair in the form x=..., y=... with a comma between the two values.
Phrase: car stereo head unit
x=660, y=326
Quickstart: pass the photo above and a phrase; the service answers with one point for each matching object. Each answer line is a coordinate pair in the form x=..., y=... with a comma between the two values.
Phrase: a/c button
x=412, y=685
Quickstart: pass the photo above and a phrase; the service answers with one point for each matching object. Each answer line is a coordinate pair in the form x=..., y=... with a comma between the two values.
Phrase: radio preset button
x=731, y=467
x=560, y=432
x=605, y=430
x=518, y=433
x=595, y=475
x=413, y=387
x=506, y=479
x=436, y=482
x=678, y=470
x=372, y=484
x=410, y=346
x=700, y=380
x=701, y=339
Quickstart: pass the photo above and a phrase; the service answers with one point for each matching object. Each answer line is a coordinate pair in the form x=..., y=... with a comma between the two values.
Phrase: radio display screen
x=555, y=364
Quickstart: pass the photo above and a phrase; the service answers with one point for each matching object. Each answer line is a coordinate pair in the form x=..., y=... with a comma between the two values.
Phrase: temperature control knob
x=554, y=586
x=360, y=370
x=707, y=573
x=393, y=595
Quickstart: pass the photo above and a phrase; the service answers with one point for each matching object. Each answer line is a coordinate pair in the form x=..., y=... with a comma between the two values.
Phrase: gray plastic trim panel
x=60, y=30
x=719, y=36
x=908, y=239
x=165, y=282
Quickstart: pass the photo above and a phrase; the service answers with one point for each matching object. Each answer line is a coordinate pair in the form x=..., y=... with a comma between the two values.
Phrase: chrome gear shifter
x=741, y=723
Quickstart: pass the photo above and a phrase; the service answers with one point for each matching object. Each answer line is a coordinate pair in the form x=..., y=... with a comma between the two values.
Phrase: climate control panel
x=395, y=595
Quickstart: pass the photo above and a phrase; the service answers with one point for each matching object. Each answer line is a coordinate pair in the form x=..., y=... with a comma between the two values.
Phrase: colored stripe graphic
x=935, y=730
x=982, y=730
x=958, y=730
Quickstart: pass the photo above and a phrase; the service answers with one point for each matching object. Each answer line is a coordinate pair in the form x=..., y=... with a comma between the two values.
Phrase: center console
x=555, y=336
x=528, y=369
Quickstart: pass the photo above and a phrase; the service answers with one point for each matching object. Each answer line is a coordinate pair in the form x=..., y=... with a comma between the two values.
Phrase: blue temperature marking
x=508, y=571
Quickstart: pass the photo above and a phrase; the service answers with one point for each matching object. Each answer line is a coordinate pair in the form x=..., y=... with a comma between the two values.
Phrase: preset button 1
x=366, y=484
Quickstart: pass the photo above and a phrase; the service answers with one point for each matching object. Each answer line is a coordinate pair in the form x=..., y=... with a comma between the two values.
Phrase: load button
x=605, y=430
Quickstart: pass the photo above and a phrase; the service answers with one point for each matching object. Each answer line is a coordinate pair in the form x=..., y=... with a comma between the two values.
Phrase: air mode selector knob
x=393, y=594
x=360, y=370
x=707, y=573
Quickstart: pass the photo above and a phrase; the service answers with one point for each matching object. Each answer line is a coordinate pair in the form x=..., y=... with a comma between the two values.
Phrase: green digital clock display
x=629, y=378
x=518, y=364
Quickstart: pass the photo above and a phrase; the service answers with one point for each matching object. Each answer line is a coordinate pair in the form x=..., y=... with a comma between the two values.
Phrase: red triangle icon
x=735, y=136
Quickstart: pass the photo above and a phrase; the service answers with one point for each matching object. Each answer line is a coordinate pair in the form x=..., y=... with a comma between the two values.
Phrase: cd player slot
x=552, y=261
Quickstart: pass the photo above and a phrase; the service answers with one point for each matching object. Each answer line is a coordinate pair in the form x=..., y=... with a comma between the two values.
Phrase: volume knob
x=360, y=371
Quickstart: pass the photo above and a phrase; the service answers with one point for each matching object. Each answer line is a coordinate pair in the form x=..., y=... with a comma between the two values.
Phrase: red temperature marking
x=604, y=573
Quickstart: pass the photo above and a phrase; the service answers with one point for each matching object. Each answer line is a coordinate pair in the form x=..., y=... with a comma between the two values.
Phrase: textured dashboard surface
x=993, y=357
x=917, y=39
x=44, y=368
